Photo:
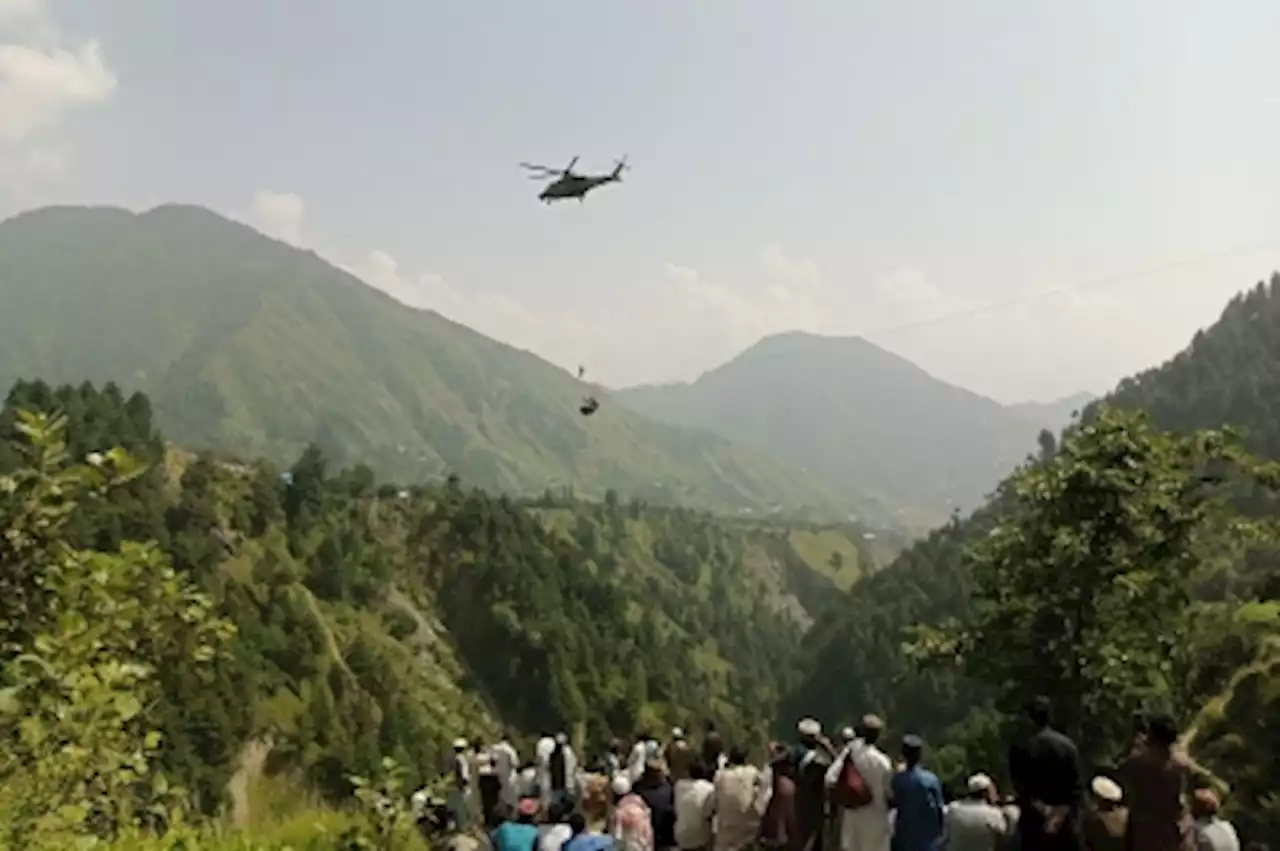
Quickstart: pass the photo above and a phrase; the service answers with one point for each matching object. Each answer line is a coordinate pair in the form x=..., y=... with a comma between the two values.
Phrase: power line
x=1125, y=277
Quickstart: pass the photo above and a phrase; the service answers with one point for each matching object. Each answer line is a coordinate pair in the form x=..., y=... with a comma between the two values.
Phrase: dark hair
x=1162, y=729
x=699, y=770
x=1040, y=711
x=577, y=822
x=559, y=811
x=737, y=755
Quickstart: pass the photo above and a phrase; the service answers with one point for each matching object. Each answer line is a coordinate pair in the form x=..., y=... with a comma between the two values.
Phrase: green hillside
x=863, y=416
x=248, y=345
x=1225, y=638
x=376, y=621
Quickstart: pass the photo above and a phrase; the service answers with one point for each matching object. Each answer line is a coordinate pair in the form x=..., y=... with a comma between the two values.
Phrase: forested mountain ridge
x=374, y=620
x=249, y=345
x=1229, y=374
x=862, y=415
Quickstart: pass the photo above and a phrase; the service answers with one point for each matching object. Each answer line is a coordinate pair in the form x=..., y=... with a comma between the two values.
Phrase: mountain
x=1055, y=415
x=1228, y=375
x=863, y=416
x=249, y=345
x=373, y=621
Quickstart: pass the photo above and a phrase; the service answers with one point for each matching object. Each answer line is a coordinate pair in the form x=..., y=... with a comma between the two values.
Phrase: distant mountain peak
x=857, y=412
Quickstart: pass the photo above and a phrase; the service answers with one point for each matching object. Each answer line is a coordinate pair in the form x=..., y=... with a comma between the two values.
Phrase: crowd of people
x=822, y=795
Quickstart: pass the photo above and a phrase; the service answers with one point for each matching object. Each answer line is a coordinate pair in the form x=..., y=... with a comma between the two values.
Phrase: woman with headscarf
x=632, y=824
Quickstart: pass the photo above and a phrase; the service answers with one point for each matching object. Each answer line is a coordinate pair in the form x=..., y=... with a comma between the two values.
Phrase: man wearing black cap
x=918, y=801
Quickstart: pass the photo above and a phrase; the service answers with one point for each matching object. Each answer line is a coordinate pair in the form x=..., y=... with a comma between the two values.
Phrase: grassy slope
x=247, y=344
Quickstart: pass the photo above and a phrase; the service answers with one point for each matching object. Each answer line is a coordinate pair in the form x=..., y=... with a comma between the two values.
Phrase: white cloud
x=556, y=337
x=278, y=214
x=41, y=79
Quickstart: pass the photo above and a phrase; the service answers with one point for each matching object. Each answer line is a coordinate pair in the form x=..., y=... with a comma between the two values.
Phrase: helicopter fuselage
x=572, y=186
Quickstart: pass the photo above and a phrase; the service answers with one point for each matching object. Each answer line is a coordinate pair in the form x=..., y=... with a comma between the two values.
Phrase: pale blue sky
x=841, y=167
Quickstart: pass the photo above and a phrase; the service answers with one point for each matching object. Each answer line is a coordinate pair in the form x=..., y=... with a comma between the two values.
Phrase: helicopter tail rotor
x=619, y=167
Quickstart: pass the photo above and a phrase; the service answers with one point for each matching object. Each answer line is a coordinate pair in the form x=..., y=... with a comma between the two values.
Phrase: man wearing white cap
x=813, y=755
x=460, y=794
x=542, y=751
x=864, y=824
x=679, y=756
x=975, y=823
x=562, y=770
x=1105, y=822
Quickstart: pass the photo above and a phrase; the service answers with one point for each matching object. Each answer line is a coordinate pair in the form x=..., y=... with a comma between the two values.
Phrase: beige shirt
x=734, y=803
x=975, y=826
x=693, y=812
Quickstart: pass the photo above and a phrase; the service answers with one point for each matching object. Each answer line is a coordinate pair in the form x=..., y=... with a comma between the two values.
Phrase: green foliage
x=1083, y=591
x=380, y=622
x=1223, y=667
x=82, y=664
x=248, y=345
x=385, y=806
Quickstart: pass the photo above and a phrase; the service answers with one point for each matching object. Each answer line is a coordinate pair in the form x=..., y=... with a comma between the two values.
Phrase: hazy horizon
x=1025, y=202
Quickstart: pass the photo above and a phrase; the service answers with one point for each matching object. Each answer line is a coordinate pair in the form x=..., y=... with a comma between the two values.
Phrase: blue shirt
x=588, y=841
x=514, y=836
x=918, y=800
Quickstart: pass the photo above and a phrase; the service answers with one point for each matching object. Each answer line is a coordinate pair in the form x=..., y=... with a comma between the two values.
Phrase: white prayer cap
x=847, y=734
x=562, y=739
x=459, y=744
x=677, y=733
x=979, y=783
x=809, y=727
x=620, y=785
x=1107, y=789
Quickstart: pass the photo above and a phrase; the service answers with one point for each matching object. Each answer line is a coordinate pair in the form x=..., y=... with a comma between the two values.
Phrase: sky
x=1025, y=199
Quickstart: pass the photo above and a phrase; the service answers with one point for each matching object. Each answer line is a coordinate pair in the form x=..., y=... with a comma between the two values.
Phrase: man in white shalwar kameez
x=866, y=828
x=506, y=764
x=542, y=762
x=639, y=756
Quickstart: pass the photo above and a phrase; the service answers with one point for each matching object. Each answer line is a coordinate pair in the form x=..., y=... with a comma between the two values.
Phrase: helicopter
x=569, y=185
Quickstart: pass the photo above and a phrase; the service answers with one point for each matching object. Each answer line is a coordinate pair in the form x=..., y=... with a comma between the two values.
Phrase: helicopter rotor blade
x=572, y=163
x=541, y=168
